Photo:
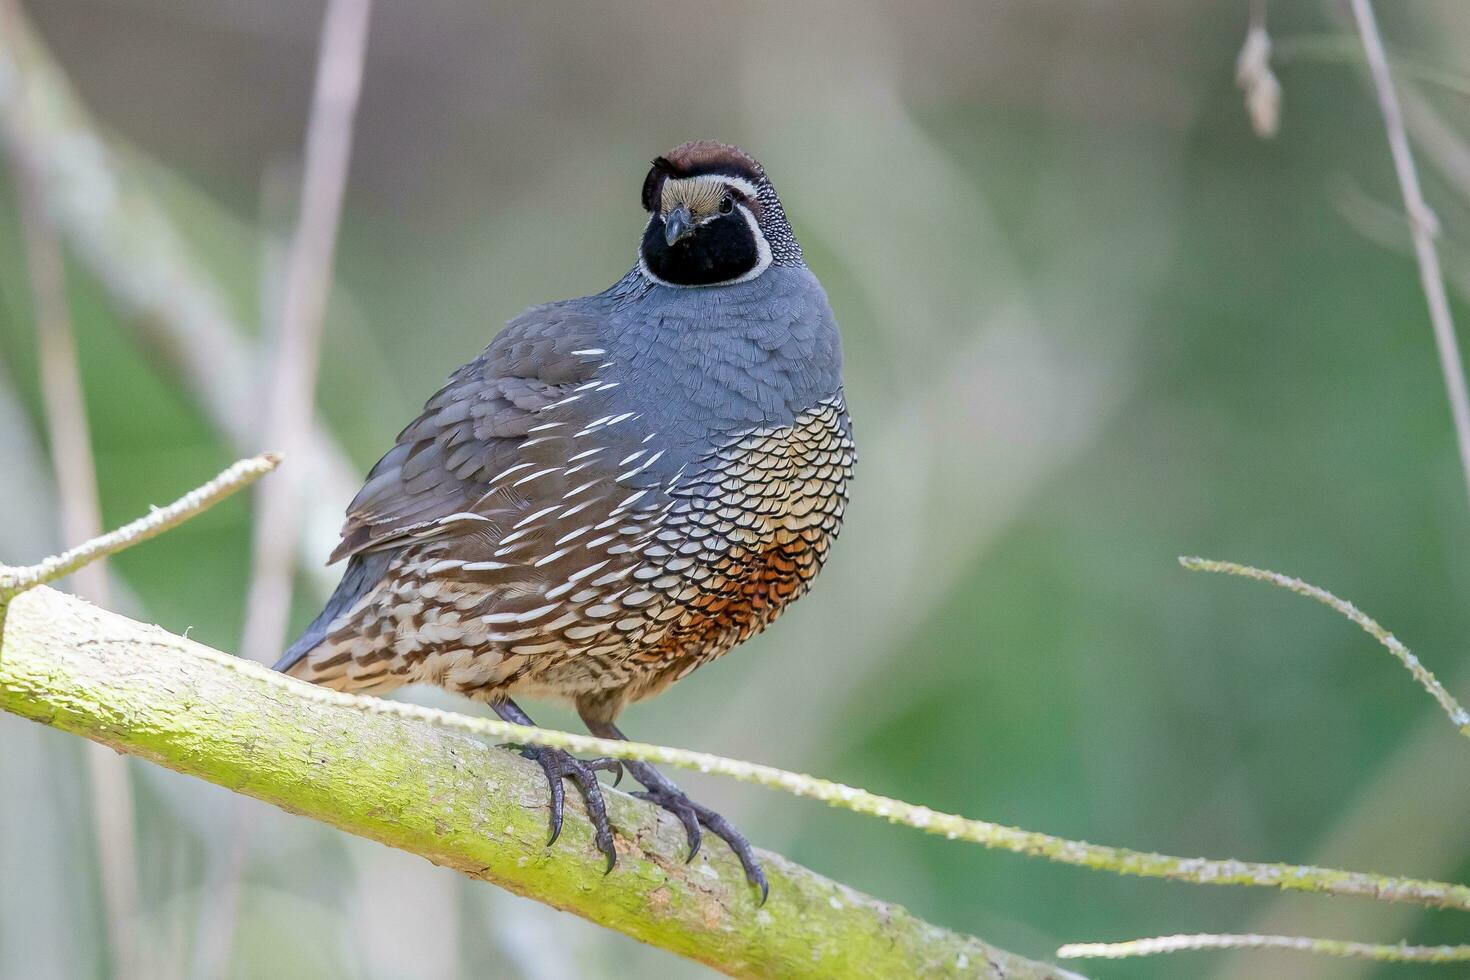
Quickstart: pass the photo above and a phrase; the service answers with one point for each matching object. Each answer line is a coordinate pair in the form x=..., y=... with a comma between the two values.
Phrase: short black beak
x=677, y=224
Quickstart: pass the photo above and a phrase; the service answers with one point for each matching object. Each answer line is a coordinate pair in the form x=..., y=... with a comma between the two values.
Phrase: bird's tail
x=364, y=571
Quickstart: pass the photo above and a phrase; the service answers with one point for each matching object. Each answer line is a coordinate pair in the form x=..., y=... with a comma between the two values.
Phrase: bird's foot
x=660, y=790
x=559, y=764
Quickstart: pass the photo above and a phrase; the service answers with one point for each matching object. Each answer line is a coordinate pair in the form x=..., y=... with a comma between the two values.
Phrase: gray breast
x=706, y=362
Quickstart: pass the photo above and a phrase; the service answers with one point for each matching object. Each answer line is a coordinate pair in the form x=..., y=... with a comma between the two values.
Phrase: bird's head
x=714, y=218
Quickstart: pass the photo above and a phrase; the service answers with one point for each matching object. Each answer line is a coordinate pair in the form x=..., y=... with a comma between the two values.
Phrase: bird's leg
x=559, y=764
x=661, y=790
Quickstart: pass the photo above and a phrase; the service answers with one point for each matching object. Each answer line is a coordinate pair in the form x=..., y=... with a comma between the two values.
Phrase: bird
x=618, y=490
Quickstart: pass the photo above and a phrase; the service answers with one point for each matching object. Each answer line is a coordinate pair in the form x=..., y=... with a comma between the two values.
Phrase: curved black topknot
x=696, y=158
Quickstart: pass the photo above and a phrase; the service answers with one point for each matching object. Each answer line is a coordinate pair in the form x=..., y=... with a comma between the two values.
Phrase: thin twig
x=1422, y=226
x=14, y=581
x=1118, y=860
x=1439, y=141
x=1341, y=48
x=119, y=231
x=81, y=519
x=1383, y=952
x=1447, y=701
x=1327, y=947
x=298, y=337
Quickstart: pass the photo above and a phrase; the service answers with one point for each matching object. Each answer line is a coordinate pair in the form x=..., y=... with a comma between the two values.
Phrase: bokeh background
x=1092, y=323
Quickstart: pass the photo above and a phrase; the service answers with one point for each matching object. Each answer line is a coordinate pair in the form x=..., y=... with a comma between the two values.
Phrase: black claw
x=604, y=764
x=680, y=806
x=658, y=789
x=722, y=829
x=558, y=797
x=559, y=765
x=692, y=815
x=586, y=779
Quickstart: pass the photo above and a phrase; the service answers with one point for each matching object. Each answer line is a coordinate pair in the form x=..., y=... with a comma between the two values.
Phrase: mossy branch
x=237, y=732
x=452, y=798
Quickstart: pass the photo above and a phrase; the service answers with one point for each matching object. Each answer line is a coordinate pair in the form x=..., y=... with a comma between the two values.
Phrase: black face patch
x=719, y=250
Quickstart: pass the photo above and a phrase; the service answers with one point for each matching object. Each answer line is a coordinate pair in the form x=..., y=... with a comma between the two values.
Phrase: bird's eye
x=727, y=204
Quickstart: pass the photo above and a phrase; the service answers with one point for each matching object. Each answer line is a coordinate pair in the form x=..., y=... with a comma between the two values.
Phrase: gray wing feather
x=471, y=429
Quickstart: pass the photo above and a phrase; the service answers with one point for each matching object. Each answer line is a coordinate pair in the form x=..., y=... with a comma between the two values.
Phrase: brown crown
x=699, y=157
x=708, y=157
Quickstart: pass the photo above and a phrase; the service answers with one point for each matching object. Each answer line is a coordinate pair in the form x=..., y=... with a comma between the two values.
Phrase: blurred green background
x=1092, y=323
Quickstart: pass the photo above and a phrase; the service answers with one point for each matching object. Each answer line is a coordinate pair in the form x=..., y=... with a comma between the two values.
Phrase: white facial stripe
x=762, y=257
x=739, y=183
x=762, y=247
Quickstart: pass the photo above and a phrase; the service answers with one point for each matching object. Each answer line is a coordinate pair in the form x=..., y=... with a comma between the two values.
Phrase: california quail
x=619, y=489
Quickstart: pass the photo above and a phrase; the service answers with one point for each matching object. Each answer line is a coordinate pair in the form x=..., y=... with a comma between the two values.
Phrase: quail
x=619, y=489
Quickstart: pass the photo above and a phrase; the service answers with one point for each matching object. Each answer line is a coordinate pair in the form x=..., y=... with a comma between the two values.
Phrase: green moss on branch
x=453, y=799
